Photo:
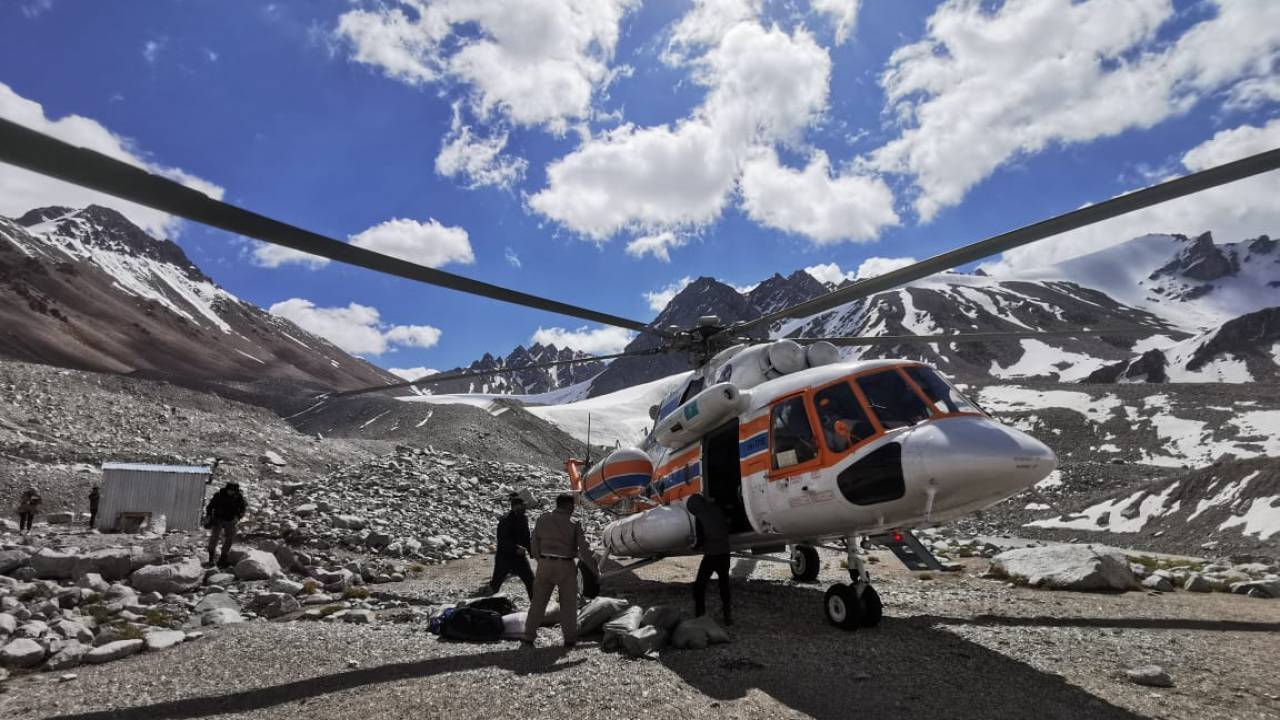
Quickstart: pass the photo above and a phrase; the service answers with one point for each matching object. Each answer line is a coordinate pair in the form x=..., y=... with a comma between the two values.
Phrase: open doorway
x=723, y=475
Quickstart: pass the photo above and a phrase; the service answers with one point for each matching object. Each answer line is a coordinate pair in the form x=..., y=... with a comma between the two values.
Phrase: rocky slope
x=1245, y=349
x=88, y=289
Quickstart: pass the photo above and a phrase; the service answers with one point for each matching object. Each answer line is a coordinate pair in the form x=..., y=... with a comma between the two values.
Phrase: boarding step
x=909, y=550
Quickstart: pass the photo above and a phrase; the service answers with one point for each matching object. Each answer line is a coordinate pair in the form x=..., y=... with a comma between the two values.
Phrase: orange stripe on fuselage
x=630, y=467
x=753, y=427
x=679, y=461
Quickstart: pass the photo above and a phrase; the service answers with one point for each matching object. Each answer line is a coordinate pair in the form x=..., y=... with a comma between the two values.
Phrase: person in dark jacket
x=28, y=505
x=512, y=556
x=713, y=533
x=93, y=505
x=222, y=517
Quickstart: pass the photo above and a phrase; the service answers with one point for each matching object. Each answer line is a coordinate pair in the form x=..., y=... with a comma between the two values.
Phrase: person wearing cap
x=512, y=555
x=557, y=541
x=222, y=517
x=28, y=505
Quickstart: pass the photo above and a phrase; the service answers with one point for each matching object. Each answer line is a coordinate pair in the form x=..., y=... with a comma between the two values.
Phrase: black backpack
x=471, y=625
x=500, y=604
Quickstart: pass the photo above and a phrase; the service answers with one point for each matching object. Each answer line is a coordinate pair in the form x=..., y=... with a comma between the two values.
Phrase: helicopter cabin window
x=793, y=441
x=695, y=387
x=844, y=422
x=945, y=399
x=892, y=399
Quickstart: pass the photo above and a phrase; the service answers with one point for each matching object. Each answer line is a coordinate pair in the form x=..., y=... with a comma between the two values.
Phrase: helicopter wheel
x=804, y=563
x=842, y=606
x=872, y=608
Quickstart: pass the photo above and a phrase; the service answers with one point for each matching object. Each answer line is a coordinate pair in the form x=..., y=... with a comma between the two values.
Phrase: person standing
x=512, y=556
x=28, y=505
x=222, y=517
x=93, y=506
x=713, y=532
x=557, y=540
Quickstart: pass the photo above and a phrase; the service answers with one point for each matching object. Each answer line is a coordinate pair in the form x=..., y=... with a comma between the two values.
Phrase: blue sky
x=621, y=147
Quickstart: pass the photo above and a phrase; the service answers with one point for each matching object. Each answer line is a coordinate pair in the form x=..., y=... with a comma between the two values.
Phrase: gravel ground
x=952, y=646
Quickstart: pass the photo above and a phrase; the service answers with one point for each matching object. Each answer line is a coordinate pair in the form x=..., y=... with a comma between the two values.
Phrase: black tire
x=805, y=564
x=872, y=608
x=842, y=608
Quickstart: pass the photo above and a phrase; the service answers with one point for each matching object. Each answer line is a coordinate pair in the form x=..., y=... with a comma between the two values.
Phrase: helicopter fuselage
x=842, y=449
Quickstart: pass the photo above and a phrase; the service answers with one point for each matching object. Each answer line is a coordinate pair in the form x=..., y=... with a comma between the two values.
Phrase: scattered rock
x=113, y=651
x=176, y=577
x=23, y=653
x=163, y=639
x=221, y=616
x=70, y=655
x=50, y=564
x=1157, y=582
x=1197, y=583
x=257, y=565
x=1150, y=676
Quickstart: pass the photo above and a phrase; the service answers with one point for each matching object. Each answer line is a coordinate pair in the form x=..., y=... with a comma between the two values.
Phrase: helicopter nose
x=971, y=458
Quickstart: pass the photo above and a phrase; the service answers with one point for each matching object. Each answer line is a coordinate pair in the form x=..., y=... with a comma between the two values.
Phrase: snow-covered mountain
x=89, y=289
x=527, y=382
x=1246, y=349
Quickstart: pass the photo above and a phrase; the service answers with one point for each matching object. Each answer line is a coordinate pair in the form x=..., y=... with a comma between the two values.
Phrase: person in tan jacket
x=557, y=540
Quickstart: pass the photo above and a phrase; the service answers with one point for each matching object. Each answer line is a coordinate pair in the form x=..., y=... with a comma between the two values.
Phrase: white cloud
x=601, y=341
x=210, y=55
x=478, y=161
x=356, y=328
x=151, y=51
x=658, y=299
x=872, y=267
x=21, y=190
x=829, y=273
x=35, y=8
x=658, y=245
x=512, y=258
x=813, y=203
x=1254, y=93
x=429, y=243
x=413, y=373
x=536, y=62
x=273, y=256
x=1241, y=210
x=986, y=87
x=765, y=86
x=843, y=15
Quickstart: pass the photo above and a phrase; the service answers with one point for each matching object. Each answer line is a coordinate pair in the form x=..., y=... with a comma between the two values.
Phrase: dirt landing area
x=952, y=646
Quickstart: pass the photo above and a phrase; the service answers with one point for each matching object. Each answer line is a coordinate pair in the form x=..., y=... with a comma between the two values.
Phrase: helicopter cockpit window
x=844, y=422
x=695, y=387
x=793, y=441
x=945, y=398
x=892, y=400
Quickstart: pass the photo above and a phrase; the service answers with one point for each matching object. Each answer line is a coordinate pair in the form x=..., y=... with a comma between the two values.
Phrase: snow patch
x=1151, y=506
x=1039, y=358
x=1261, y=519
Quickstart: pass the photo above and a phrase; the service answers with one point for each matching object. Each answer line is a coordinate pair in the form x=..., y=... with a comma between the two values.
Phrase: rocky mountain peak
x=1202, y=260
x=44, y=214
x=778, y=292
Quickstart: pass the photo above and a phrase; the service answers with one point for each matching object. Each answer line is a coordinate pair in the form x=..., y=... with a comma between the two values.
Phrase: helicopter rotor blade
x=49, y=156
x=444, y=377
x=1082, y=217
x=869, y=340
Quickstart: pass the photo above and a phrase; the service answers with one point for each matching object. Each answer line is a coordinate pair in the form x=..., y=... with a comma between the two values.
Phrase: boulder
x=68, y=656
x=60, y=518
x=33, y=629
x=8, y=624
x=72, y=630
x=1198, y=583
x=378, y=539
x=257, y=565
x=348, y=522
x=285, y=585
x=176, y=577
x=93, y=581
x=215, y=601
x=11, y=560
x=50, y=564
x=113, y=651
x=221, y=616
x=359, y=617
x=163, y=639
x=110, y=563
x=1258, y=588
x=271, y=457
x=305, y=510
x=1150, y=676
x=273, y=605
x=220, y=578
x=1159, y=583
x=22, y=653
x=1065, y=567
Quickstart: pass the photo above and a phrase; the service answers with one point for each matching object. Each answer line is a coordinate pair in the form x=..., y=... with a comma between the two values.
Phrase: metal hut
x=135, y=496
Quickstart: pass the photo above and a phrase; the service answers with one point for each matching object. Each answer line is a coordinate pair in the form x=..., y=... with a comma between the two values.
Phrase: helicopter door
x=722, y=474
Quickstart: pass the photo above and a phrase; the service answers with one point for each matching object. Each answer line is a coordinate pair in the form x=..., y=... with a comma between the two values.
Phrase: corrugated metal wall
x=177, y=496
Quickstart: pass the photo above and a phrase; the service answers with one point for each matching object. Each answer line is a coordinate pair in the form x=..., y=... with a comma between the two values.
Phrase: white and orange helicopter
x=798, y=447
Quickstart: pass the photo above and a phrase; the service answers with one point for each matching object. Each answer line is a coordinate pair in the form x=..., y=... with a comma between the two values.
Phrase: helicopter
x=799, y=447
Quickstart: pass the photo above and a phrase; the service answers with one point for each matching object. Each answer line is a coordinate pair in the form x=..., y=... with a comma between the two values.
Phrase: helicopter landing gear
x=857, y=604
x=804, y=563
